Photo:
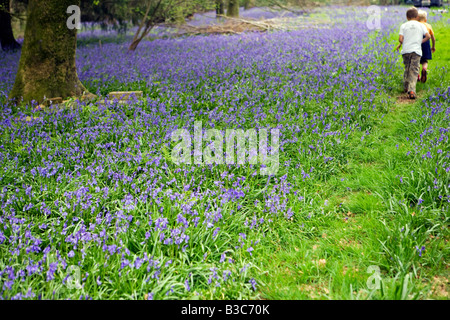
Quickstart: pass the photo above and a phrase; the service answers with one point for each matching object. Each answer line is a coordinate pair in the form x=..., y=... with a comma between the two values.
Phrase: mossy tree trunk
x=6, y=34
x=47, y=62
x=233, y=8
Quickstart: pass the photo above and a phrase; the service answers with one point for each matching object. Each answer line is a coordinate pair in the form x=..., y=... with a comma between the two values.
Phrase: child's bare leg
x=423, y=77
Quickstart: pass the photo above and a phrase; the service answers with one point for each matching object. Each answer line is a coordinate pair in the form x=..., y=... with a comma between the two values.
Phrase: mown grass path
x=334, y=255
x=332, y=258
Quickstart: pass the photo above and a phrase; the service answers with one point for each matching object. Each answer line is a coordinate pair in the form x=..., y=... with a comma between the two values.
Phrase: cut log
x=124, y=95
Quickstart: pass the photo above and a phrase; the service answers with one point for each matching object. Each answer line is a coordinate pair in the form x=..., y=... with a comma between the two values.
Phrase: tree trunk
x=6, y=35
x=219, y=8
x=47, y=62
x=146, y=25
x=233, y=8
x=248, y=4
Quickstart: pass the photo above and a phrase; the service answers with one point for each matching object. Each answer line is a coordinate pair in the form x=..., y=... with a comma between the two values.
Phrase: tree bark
x=219, y=8
x=233, y=8
x=47, y=62
x=6, y=35
x=137, y=39
x=146, y=25
x=248, y=4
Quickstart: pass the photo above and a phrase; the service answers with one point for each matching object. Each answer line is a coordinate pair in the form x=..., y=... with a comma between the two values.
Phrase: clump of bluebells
x=428, y=182
x=93, y=206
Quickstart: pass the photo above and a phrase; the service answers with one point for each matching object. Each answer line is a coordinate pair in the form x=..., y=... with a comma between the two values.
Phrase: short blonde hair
x=422, y=15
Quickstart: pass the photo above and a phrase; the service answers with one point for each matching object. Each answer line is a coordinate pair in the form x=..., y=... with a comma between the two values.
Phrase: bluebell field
x=93, y=186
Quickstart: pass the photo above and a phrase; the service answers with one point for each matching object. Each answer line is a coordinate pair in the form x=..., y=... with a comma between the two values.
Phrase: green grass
x=364, y=224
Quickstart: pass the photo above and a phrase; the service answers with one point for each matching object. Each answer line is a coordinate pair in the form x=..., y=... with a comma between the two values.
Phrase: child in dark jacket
x=427, y=50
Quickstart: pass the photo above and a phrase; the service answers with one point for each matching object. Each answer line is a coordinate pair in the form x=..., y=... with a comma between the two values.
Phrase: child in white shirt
x=411, y=37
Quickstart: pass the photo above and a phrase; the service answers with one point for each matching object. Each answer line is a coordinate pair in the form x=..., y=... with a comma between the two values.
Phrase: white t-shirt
x=413, y=32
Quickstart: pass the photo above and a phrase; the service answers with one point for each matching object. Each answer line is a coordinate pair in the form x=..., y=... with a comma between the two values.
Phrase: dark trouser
x=412, y=67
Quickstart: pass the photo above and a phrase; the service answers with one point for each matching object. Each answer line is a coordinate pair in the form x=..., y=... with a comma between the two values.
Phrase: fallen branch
x=260, y=23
